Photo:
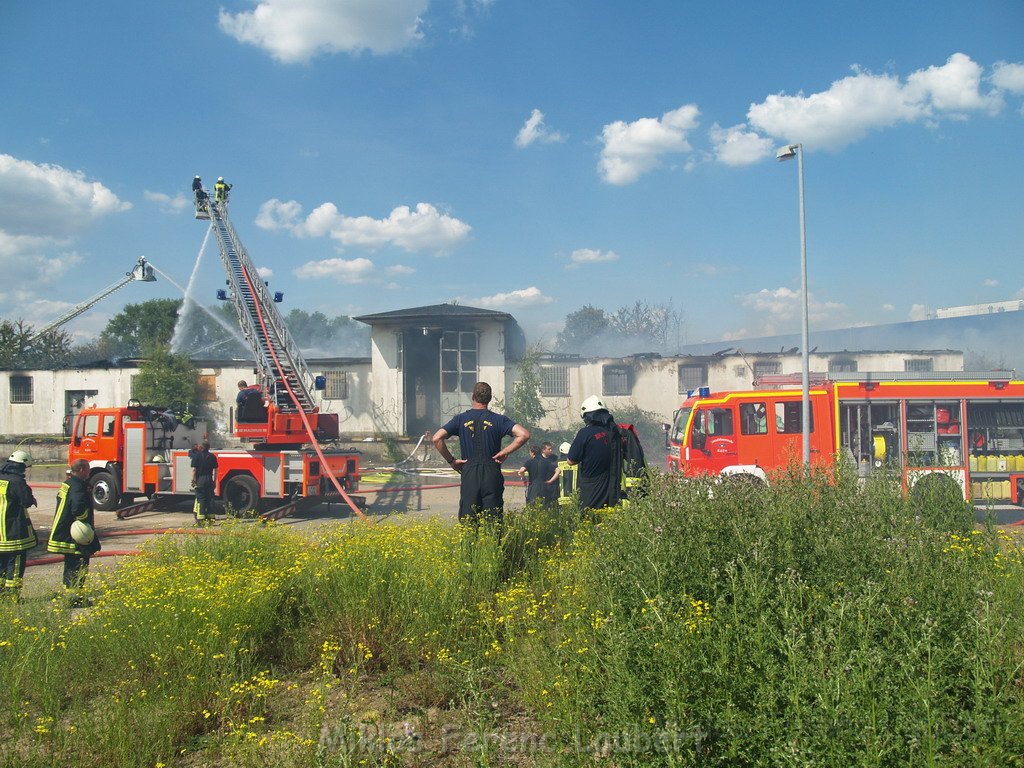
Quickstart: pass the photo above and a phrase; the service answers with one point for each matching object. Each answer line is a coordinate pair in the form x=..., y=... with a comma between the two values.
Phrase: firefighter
x=204, y=470
x=74, y=506
x=597, y=449
x=480, y=432
x=220, y=190
x=16, y=533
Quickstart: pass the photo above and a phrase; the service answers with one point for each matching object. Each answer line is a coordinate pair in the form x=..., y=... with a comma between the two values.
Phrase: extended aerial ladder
x=141, y=272
x=291, y=418
x=284, y=376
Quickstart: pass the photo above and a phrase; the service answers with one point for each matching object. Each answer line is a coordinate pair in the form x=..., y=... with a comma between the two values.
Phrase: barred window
x=554, y=380
x=616, y=380
x=692, y=377
x=459, y=368
x=337, y=385
x=767, y=368
x=842, y=365
x=21, y=389
x=918, y=364
x=206, y=386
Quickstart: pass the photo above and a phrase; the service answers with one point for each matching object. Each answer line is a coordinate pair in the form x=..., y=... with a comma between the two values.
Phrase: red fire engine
x=139, y=450
x=955, y=429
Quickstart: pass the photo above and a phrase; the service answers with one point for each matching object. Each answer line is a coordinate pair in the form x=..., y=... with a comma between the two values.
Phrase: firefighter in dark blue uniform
x=204, y=471
x=597, y=449
x=74, y=503
x=16, y=533
x=480, y=431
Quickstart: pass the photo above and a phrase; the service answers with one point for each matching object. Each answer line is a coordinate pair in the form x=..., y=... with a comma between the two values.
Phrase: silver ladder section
x=252, y=302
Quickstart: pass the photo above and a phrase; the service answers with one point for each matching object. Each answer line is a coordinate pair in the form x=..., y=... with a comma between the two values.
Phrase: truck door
x=712, y=436
x=788, y=439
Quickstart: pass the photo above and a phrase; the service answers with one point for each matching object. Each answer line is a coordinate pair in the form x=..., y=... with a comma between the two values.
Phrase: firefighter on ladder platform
x=204, y=469
x=220, y=190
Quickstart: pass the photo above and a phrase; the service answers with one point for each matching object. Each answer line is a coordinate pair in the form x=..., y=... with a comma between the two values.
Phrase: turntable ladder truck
x=139, y=450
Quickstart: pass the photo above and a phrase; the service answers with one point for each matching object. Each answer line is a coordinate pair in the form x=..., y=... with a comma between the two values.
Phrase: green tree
x=138, y=327
x=581, y=328
x=167, y=379
x=19, y=350
x=523, y=404
x=639, y=327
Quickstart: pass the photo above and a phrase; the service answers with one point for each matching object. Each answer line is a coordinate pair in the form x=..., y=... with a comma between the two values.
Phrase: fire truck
x=962, y=431
x=138, y=450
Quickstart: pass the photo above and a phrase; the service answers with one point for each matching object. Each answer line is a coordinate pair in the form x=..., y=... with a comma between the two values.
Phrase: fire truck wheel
x=241, y=495
x=106, y=495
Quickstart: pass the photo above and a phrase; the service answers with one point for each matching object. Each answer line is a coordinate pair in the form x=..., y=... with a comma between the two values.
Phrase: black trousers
x=12, y=569
x=76, y=567
x=204, y=499
x=482, y=491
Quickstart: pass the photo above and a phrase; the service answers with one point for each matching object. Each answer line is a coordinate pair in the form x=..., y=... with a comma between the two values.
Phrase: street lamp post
x=785, y=153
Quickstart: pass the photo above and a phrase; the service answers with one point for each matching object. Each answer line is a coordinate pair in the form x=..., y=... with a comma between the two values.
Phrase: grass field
x=813, y=623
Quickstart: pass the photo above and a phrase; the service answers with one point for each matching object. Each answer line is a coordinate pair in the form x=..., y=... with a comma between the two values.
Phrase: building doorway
x=422, y=380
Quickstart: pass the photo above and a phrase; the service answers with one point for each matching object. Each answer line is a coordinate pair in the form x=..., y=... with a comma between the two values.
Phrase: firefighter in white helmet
x=74, y=505
x=16, y=533
x=220, y=190
x=597, y=449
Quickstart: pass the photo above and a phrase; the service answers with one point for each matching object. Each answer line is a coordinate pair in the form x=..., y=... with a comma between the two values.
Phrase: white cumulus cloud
x=525, y=297
x=166, y=203
x=779, y=309
x=265, y=272
x=49, y=201
x=632, y=149
x=1008, y=77
x=534, y=130
x=400, y=269
x=739, y=145
x=590, y=256
x=43, y=209
x=275, y=214
x=424, y=228
x=990, y=282
x=344, y=271
x=293, y=31
x=863, y=102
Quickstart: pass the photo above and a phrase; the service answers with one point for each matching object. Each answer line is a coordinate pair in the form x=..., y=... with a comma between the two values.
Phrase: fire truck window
x=90, y=425
x=718, y=421
x=108, y=426
x=787, y=418
x=753, y=419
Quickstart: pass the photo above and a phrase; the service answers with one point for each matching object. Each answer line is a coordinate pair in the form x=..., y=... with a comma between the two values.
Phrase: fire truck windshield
x=679, y=425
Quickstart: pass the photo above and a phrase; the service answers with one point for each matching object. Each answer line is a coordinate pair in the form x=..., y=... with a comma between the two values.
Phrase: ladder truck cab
x=145, y=455
x=961, y=431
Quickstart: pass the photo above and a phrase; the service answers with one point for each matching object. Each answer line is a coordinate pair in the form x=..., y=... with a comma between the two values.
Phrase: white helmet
x=197, y=175
x=220, y=178
x=564, y=447
x=591, y=404
x=82, y=533
x=158, y=458
x=21, y=457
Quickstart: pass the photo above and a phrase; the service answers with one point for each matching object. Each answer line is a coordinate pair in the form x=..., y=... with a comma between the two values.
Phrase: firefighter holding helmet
x=73, y=533
x=16, y=533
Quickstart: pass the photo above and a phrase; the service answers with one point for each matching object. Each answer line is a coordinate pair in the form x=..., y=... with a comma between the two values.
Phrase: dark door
x=422, y=381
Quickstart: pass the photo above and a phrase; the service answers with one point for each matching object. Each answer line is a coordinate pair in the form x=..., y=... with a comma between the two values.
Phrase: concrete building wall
x=113, y=386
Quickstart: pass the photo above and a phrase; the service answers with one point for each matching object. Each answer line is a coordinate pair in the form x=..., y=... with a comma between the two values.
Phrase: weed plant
x=813, y=622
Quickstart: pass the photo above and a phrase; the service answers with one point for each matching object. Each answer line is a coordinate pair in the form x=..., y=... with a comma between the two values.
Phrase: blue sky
x=531, y=157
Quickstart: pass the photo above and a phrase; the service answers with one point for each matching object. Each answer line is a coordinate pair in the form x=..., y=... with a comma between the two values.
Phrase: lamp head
x=787, y=152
